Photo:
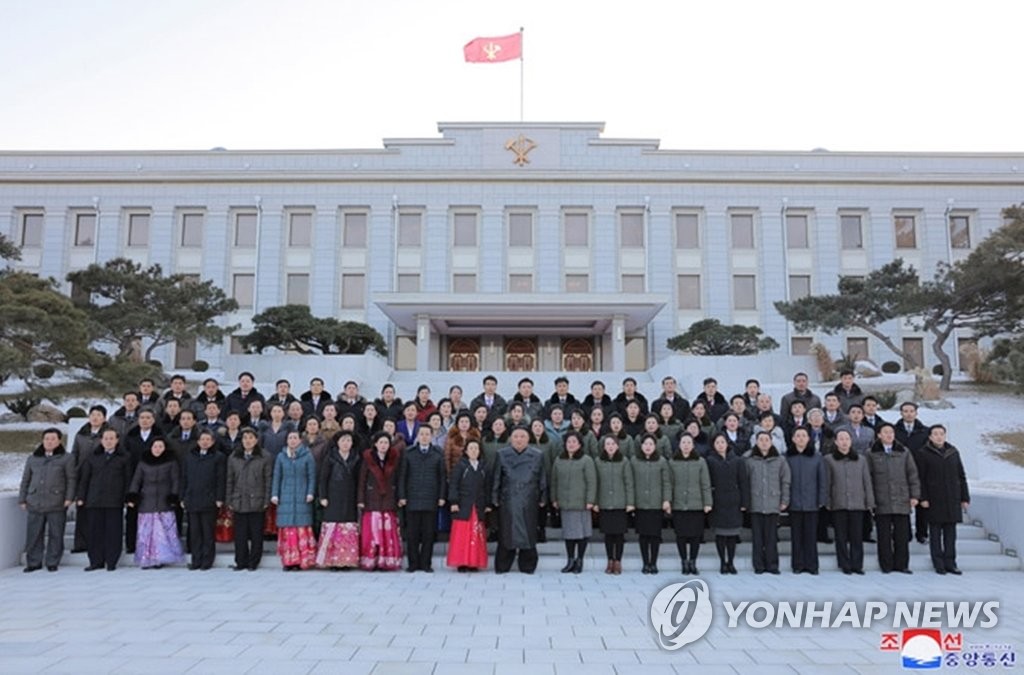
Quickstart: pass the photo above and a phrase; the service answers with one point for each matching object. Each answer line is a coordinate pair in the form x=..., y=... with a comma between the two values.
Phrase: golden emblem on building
x=521, y=146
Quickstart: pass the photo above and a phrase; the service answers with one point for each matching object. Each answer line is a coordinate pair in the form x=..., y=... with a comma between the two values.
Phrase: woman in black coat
x=155, y=492
x=339, y=480
x=469, y=486
x=944, y=496
x=729, y=489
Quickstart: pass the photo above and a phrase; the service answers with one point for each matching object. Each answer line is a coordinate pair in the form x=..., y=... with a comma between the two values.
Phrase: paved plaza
x=176, y=621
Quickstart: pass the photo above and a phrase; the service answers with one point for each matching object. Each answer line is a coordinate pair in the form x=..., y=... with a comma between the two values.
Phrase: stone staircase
x=977, y=551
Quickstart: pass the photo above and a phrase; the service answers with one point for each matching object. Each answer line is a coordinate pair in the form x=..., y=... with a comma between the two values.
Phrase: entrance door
x=577, y=355
x=464, y=355
x=521, y=354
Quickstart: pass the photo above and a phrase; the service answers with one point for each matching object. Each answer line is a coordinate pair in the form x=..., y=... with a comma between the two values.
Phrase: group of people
x=344, y=482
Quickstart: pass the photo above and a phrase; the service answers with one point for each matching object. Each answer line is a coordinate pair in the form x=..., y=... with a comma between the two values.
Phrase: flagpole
x=520, y=74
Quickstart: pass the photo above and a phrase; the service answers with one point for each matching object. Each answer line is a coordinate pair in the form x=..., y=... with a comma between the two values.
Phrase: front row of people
x=338, y=508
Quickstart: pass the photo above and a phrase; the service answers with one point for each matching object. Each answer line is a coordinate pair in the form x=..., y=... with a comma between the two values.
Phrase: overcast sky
x=708, y=74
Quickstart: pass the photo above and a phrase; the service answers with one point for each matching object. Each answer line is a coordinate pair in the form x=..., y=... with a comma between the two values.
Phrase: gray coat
x=155, y=485
x=573, y=482
x=849, y=482
x=691, y=483
x=894, y=477
x=249, y=482
x=48, y=482
x=614, y=482
x=520, y=484
x=770, y=480
x=863, y=441
x=652, y=481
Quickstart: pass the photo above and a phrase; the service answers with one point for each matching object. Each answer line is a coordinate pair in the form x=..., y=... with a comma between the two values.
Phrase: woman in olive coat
x=653, y=486
x=615, y=500
x=661, y=436
x=730, y=495
x=691, y=500
x=573, y=488
x=339, y=479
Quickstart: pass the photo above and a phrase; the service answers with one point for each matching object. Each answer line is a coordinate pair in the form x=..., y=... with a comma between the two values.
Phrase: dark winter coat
x=943, y=483
x=238, y=402
x=848, y=398
x=807, y=397
x=498, y=406
x=135, y=447
x=423, y=478
x=199, y=401
x=469, y=488
x=354, y=409
x=293, y=483
x=378, y=486
x=680, y=406
x=849, y=482
x=156, y=486
x=913, y=440
x=621, y=402
x=85, y=444
x=181, y=446
x=532, y=406
x=808, y=486
x=605, y=403
x=120, y=421
x=615, y=488
x=716, y=408
x=339, y=483
x=894, y=478
x=389, y=411
x=249, y=481
x=568, y=406
x=691, y=483
x=273, y=442
x=730, y=490
x=770, y=481
x=520, y=485
x=48, y=482
x=103, y=479
x=204, y=480
x=573, y=482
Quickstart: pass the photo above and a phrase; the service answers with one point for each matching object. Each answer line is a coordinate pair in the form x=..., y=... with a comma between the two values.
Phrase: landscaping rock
x=44, y=412
x=867, y=369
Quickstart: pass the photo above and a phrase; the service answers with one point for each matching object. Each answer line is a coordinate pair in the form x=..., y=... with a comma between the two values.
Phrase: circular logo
x=681, y=613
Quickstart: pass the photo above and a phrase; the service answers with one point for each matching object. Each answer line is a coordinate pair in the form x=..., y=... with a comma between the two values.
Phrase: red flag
x=494, y=49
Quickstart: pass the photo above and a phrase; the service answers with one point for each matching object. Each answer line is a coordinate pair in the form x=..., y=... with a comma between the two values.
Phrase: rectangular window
x=85, y=229
x=464, y=230
x=742, y=225
x=354, y=234
x=857, y=348
x=687, y=230
x=960, y=231
x=631, y=230
x=796, y=231
x=298, y=289
x=800, y=346
x=464, y=283
x=577, y=283
x=245, y=230
x=577, y=227
x=799, y=286
x=688, y=294
x=138, y=229
x=78, y=296
x=632, y=283
x=913, y=348
x=235, y=346
x=409, y=229
x=300, y=230
x=520, y=229
x=520, y=283
x=408, y=283
x=243, y=288
x=906, y=231
x=31, y=230
x=353, y=291
x=852, y=234
x=184, y=354
x=191, y=230
x=744, y=291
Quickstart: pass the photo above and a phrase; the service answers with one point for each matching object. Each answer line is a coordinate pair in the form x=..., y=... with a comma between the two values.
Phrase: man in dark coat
x=203, y=485
x=713, y=400
x=102, y=487
x=148, y=395
x=489, y=397
x=561, y=397
x=239, y=400
x=388, y=405
x=176, y=392
x=350, y=402
x=532, y=405
x=282, y=394
x=848, y=392
x=597, y=397
x=316, y=398
x=520, y=485
x=629, y=393
x=47, y=490
x=680, y=406
x=86, y=441
x=945, y=496
x=127, y=416
x=913, y=434
x=421, y=491
x=210, y=393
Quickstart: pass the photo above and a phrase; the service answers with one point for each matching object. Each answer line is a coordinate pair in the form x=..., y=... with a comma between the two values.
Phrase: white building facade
x=512, y=246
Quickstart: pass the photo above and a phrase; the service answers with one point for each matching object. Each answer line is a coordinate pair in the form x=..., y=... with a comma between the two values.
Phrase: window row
x=689, y=294
x=576, y=229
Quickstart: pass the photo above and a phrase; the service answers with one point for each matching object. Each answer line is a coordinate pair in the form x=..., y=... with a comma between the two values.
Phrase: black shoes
x=732, y=569
x=51, y=568
x=955, y=570
x=570, y=564
x=577, y=565
x=940, y=570
x=724, y=568
x=32, y=568
x=92, y=568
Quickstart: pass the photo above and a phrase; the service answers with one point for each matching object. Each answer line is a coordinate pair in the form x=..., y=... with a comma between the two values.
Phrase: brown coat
x=378, y=487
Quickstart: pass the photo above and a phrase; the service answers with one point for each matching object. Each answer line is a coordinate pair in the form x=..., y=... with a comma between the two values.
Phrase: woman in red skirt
x=468, y=493
x=380, y=546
